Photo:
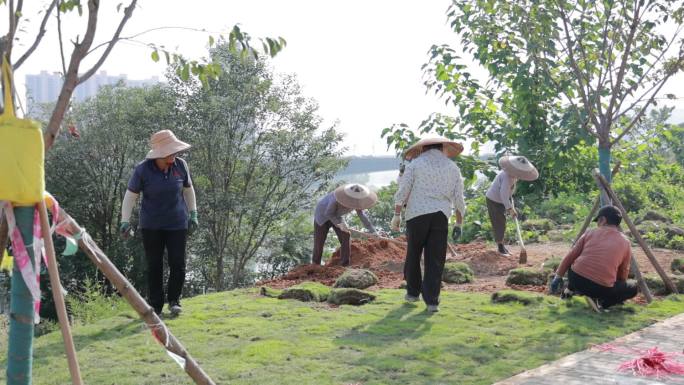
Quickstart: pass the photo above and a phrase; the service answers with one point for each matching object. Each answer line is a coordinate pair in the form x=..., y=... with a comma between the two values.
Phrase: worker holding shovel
x=430, y=187
x=499, y=197
x=329, y=213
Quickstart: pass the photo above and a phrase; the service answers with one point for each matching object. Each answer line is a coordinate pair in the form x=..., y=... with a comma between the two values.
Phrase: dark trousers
x=607, y=296
x=321, y=234
x=154, y=242
x=427, y=234
x=497, y=215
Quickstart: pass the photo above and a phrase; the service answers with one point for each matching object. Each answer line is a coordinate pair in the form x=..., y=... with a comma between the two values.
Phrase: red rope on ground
x=651, y=362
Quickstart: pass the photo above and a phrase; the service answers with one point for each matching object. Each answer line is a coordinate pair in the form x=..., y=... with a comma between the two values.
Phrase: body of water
x=374, y=180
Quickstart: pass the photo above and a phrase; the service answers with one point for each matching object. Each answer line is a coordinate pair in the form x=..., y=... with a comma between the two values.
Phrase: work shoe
x=432, y=308
x=593, y=304
x=410, y=298
x=567, y=294
x=503, y=250
x=175, y=308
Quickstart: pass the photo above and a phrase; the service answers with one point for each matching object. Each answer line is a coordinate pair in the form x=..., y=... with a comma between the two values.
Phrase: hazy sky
x=359, y=59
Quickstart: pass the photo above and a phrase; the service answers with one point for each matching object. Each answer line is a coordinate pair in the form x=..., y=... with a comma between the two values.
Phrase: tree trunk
x=604, y=168
x=20, y=350
x=219, y=274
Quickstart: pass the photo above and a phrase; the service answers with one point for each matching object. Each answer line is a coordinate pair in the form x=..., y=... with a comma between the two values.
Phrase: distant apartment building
x=45, y=87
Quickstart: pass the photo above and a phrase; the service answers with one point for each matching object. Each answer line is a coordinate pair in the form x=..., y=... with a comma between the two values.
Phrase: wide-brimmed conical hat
x=449, y=147
x=164, y=143
x=519, y=167
x=355, y=196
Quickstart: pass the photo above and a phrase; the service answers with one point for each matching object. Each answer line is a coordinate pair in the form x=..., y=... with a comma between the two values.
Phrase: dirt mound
x=372, y=253
x=385, y=259
x=484, y=261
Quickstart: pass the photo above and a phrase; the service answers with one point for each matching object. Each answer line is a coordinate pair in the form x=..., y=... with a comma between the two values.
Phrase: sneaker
x=175, y=309
x=567, y=294
x=432, y=308
x=593, y=304
x=503, y=250
x=410, y=298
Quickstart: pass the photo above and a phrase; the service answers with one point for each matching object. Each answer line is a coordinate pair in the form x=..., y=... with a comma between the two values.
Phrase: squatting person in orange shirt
x=598, y=264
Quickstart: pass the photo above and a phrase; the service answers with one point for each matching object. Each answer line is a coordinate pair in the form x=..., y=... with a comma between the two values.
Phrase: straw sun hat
x=449, y=147
x=164, y=143
x=519, y=167
x=355, y=196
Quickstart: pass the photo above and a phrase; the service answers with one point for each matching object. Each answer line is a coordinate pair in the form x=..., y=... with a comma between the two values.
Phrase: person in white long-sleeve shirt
x=499, y=196
x=430, y=188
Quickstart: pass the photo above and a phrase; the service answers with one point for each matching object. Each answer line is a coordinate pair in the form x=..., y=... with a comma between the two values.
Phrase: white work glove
x=396, y=222
x=343, y=226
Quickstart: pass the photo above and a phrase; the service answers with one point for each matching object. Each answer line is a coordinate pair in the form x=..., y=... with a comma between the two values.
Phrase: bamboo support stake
x=57, y=295
x=640, y=280
x=594, y=209
x=145, y=311
x=616, y=201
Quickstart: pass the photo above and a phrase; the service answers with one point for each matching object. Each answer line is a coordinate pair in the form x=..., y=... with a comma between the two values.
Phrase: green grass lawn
x=241, y=338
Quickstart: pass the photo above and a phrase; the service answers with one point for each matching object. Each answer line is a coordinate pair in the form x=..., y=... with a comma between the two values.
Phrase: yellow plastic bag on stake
x=22, y=173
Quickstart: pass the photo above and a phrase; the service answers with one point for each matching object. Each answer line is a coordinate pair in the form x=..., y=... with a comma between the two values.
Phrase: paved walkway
x=590, y=367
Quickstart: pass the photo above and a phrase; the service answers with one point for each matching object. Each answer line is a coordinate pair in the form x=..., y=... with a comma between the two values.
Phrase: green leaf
x=155, y=55
x=211, y=41
x=185, y=72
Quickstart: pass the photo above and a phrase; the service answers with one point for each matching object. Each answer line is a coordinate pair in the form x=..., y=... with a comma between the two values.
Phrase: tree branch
x=41, y=33
x=657, y=59
x=648, y=103
x=71, y=76
x=128, y=12
x=575, y=68
x=151, y=30
x=61, y=42
x=623, y=65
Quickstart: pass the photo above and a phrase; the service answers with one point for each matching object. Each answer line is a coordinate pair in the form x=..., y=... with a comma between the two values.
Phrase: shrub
x=457, y=272
x=632, y=195
x=92, y=303
x=677, y=265
x=538, y=225
x=565, y=208
x=676, y=243
x=526, y=276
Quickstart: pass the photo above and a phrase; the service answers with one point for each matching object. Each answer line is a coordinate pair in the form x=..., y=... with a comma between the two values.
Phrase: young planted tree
x=258, y=158
x=20, y=353
x=559, y=73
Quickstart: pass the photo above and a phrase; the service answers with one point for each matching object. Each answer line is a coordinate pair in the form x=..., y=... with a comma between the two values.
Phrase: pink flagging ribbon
x=29, y=272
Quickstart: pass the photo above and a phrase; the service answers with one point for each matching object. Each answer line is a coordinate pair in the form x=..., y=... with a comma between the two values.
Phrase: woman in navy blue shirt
x=167, y=210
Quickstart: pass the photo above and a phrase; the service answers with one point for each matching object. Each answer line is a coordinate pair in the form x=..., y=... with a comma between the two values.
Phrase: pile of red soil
x=484, y=261
x=386, y=260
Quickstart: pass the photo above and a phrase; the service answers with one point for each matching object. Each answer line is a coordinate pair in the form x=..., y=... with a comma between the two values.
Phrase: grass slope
x=241, y=338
